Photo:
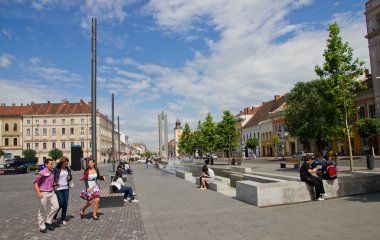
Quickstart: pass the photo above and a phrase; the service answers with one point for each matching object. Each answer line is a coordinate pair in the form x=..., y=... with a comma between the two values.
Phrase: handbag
x=116, y=184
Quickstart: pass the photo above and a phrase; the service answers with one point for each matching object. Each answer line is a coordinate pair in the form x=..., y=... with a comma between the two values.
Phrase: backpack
x=331, y=171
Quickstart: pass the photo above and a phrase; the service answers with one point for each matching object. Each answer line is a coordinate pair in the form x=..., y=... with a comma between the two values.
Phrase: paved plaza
x=172, y=208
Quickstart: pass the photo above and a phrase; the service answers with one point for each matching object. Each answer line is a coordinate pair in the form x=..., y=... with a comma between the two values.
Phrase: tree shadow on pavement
x=365, y=198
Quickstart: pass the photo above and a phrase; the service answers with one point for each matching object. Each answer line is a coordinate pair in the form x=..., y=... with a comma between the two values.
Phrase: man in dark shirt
x=306, y=172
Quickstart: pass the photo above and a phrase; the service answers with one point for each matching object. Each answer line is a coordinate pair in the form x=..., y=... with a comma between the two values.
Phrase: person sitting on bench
x=306, y=172
x=207, y=177
x=119, y=186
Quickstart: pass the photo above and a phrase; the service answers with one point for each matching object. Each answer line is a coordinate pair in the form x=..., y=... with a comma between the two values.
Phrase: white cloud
x=35, y=60
x=54, y=74
x=5, y=60
x=8, y=33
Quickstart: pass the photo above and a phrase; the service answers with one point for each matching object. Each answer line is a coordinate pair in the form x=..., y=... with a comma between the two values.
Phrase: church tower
x=177, y=136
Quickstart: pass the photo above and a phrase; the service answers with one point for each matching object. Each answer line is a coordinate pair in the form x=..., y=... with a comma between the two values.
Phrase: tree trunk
x=349, y=139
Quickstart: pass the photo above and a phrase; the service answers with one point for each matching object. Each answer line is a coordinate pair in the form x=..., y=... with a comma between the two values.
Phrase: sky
x=186, y=58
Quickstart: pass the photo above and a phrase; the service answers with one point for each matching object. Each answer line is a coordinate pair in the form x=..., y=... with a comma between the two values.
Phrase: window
x=82, y=120
x=72, y=131
x=53, y=132
x=82, y=144
x=44, y=131
x=44, y=145
x=378, y=20
x=36, y=146
x=15, y=127
x=53, y=145
x=6, y=141
x=63, y=145
x=28, y=132
x=45, y=121
x=371, y=111
x=90, y=144
x=71, y=121
x=361, y=112
x=63, y=121
x=54, y=121
x=14, y=141
x=27, y=145
x=36, y=132
x=28, y=122
x=6, y=128
x=63, y=131
x=37, y=121
x=82, y=131
x=71, y=143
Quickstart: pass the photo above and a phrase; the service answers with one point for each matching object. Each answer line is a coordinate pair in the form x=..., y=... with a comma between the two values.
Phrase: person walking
x=43, y=185
x=62, y=178
x=91, y=191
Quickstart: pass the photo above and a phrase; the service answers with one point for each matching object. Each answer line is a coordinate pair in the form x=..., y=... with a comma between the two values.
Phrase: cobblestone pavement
x=19, y=207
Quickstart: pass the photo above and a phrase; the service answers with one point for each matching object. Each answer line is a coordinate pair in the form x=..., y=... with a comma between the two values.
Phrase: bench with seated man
x=306, y=172
x=207, y=177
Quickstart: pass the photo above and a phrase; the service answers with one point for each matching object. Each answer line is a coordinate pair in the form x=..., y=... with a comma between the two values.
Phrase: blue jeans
x=63, y=200
x=128, y=192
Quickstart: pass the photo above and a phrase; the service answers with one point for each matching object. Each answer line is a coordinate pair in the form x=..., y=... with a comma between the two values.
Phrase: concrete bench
x=241, y=169
x=285, y=192
x=110, y=199
x=291, y=161
x=185, y=175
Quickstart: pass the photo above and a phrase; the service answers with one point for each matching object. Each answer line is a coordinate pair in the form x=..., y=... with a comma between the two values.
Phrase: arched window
x=6, y=127
x=15, y=127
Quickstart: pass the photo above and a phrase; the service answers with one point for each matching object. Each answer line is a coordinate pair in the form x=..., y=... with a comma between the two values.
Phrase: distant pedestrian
x=43, y=185
x=91, y=191
x=147, y=162
x=62, y=178
x=306, y=172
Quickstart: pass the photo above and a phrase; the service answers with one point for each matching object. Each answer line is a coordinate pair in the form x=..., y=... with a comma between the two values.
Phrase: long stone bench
x=286, y=192
x=241, y=169
x=185, y=175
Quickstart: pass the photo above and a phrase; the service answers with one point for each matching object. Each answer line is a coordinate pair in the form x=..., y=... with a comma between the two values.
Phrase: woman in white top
x=120, y=187
x=62, y=177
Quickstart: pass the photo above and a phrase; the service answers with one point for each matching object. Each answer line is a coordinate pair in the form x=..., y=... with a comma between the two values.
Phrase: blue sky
x=186, y=58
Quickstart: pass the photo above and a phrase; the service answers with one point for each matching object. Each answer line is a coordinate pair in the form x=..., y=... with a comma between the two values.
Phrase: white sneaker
x=324, y=195
x=134, y=194
x=320, y=199
x=135, y=201
x=126, y=200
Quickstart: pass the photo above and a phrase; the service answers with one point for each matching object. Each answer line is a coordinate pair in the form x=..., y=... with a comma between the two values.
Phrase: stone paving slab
x=19, y=208
x=173, y=208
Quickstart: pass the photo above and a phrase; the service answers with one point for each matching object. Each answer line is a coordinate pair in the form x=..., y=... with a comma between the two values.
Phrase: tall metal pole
x=113, y=136
x=93, y=91
x=160, y=135
x=118, y=137
x=166, y=136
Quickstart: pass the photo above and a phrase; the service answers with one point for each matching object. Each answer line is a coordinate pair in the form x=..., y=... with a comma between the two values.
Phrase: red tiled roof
x=263, y=113
x=12, y=110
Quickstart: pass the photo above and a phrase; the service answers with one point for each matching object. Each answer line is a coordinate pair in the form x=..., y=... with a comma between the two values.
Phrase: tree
x=55, y=154
x=207, y=136
x=29, y=153
x=341, y=71
x=184, y=141
x=252, y=143
x=368, y=129
x=274, y=140
x=227, y=134
x=2, y=153
x=308, y=114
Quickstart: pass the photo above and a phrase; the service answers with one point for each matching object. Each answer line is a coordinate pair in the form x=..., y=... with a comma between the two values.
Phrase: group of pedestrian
x=328, y=172
x=52, y=186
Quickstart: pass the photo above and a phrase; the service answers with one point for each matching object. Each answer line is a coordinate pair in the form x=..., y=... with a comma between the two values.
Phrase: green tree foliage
x=29, y=153
x=341, y=71
x=227, y=134
x=368, y=129
x=2, y=153
x=207, y=132
x=274, y=140
x=184, y=141
x=309, y=115
x=55, y=154
x=252, y=143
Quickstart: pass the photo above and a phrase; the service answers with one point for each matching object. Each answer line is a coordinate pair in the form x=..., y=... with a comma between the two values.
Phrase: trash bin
x=370, y=162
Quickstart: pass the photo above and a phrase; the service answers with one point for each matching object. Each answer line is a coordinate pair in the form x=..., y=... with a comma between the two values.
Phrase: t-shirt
x=211, y=173
x=62, y=182
x=304, y=173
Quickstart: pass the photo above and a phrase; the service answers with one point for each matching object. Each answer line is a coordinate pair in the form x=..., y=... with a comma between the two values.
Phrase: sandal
x=81, y=214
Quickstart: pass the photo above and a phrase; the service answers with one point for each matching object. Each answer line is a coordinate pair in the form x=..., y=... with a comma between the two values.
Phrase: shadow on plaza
x=365, y=198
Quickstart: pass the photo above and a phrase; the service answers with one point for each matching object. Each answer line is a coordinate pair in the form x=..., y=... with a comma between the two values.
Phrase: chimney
x=48, y=102
x=31, y=103
x=276, y=97
x=13, y=104
x=3, y=104
x=22, y=104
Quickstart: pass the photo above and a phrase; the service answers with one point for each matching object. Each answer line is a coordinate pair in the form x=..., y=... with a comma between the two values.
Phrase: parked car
x=140, y=161
x=214, y=156
x=302, y=154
